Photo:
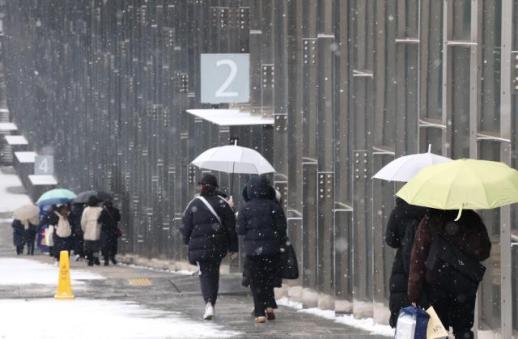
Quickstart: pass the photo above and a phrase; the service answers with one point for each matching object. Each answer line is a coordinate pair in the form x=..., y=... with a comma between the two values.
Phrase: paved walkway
x=179, y=293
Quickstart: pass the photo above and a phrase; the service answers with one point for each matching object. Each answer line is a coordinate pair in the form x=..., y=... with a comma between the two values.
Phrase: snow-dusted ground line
x=18, y=271
x=366, y=324
x=55, y=319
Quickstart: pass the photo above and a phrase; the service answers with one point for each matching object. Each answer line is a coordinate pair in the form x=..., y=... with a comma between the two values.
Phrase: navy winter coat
x=206, y=237
x=261, y=220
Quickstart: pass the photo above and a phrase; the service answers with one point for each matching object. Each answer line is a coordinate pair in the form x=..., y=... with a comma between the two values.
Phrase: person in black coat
x=209, y=237
x=18, y=235
x=30, y=237
x=77, y=233
x=445, y=261
x=109, y=219
x=262, y=222
x=400, y=235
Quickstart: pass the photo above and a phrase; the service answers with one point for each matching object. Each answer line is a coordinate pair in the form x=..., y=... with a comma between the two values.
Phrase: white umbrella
x=233, y=159
x=406, y=167
x=29, y=212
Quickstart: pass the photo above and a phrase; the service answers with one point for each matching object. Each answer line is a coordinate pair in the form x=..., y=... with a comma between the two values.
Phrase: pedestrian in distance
x=399, y=234
x=92, y=230
x=48, y=229
x=110, y=232
x=262, y=222
x=77, y=233
x=30, y=236
x=62, y=230
x=18, y=236
x=208, y=229
x=445, y=261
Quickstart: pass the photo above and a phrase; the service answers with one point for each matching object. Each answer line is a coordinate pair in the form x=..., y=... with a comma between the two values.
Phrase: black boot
x=114, y=261
x=96, y=261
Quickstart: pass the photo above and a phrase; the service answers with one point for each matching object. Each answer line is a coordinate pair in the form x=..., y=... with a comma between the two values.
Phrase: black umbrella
x=82, y=198
x=104, y=196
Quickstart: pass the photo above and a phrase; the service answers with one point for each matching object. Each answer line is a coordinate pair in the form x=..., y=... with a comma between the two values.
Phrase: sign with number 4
x=44, y=165
x=225, y=78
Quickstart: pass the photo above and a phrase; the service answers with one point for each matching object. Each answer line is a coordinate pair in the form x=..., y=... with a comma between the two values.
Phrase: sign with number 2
x=225, y=78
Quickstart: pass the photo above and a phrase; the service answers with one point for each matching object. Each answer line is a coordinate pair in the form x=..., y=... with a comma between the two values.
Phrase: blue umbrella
x=56, y=196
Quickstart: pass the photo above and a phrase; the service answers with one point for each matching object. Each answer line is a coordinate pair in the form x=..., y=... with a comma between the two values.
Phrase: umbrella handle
x=459, y=214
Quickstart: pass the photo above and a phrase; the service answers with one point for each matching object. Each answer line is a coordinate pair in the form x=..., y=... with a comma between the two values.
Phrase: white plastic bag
x=405, y=328
x=49, y=240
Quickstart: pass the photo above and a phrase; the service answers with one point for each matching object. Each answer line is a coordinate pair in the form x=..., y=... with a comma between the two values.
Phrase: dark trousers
x=262, y=272
x=78, y=244
x=91, y=249
x=61, y=244
x=30, y=238
x=109, y=246
x=455, y=310
x=19, y=249
x=209, y=279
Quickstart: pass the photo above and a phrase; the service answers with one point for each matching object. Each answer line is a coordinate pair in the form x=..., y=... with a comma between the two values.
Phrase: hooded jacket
x=261, y=220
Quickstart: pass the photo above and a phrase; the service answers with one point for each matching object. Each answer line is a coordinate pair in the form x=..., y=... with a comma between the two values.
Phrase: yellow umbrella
x=463, y=184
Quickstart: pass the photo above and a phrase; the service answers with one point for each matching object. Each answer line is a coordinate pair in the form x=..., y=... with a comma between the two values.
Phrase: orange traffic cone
x=64, y=290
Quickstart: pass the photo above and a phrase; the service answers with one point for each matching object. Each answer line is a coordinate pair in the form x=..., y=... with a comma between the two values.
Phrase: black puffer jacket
x=400, y=234
x=206, y=238
x=261, y=220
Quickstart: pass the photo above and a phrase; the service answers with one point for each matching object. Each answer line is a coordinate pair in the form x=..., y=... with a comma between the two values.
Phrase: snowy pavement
x=88, y=319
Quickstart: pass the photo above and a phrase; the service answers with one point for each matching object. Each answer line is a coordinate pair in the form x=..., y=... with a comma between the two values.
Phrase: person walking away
x=445, y=260
x=109, y=219
x=62, y=229
x=77, y=233
x=208, y=229
x=92, y=230
x=399, y=234
x=262, y=222
x=18, y=236
x=30, y=236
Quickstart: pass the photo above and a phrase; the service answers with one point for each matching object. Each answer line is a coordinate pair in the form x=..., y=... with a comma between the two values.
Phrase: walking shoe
x=96, y=261
x=269, y=314
x=106, y=263
x=114, y=261
x=260, y=320
x=209, y=312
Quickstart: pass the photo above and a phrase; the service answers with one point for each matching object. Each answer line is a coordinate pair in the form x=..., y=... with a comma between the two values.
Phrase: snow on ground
x=10, y=201
x=366, y=324
x=54, y=319
x=16, y=271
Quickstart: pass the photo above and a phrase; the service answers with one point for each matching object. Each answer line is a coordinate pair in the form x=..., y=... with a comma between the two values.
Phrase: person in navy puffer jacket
x=209, y=231
x=263, y=224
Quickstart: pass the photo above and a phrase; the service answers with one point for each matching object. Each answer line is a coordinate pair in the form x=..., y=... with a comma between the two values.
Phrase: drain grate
x=140, y=282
